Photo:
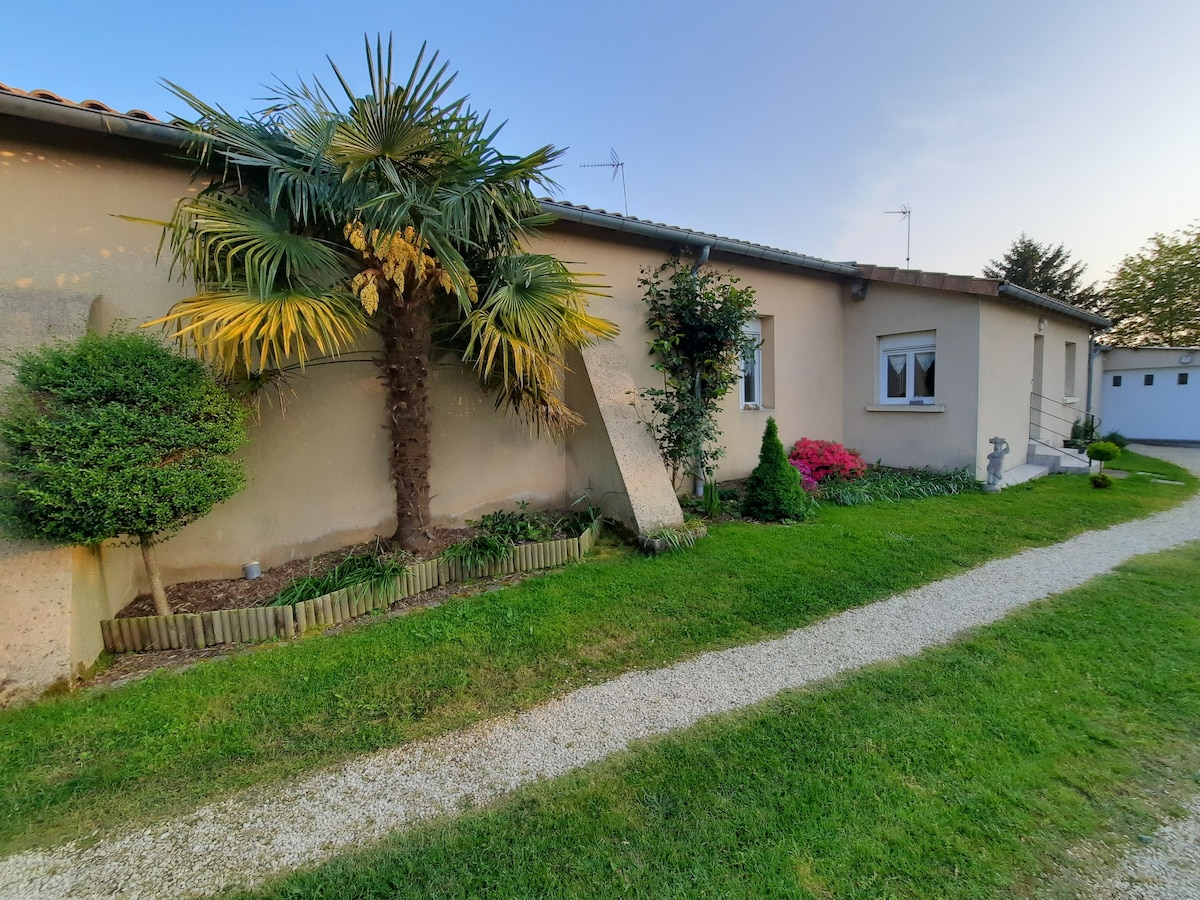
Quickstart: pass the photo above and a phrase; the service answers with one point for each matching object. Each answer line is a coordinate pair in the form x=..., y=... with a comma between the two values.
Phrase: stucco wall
x=803, y=358
x=913, y=436
x=1005, y=379
x=317, y=471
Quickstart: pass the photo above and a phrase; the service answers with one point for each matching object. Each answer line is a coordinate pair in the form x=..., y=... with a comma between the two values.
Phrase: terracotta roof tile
x=92, y=105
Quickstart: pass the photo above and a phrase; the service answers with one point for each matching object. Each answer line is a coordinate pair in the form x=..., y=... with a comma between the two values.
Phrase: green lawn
x=101, y=759
x=965, y=773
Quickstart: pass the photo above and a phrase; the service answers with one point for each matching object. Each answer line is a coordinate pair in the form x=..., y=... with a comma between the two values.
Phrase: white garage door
x=1152, y=404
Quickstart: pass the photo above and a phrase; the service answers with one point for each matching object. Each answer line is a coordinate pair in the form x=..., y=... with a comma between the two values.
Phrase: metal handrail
x=1036, y=410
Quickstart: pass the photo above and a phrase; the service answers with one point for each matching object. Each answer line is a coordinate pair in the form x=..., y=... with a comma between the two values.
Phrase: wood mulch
x=240, y=593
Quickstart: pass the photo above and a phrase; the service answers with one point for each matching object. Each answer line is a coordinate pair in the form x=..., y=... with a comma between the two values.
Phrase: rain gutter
x=54, y=113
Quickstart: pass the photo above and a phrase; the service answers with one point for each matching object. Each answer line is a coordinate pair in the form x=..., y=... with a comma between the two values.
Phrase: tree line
x=1153, y=299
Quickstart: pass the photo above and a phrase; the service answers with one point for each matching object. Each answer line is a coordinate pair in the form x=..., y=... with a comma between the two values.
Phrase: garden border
x=198, y=631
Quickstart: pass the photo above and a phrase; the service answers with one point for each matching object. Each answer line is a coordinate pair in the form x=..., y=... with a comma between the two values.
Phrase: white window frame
x=754, y=329
x=909, y=344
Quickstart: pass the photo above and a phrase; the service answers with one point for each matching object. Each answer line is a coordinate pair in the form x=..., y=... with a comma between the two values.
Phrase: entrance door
x=1035, y=401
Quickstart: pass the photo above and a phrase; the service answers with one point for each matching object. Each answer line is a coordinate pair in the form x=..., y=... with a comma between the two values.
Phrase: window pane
x=923, y=375
x=750, y=378
x=1182, y=378
x=1116, y=381
x=1148, y=380
x=897, y=375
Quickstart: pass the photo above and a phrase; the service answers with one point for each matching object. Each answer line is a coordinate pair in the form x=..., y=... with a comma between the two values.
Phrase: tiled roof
x=942, y=281
x=93, y=105
x=673, y=234
x=158, y=131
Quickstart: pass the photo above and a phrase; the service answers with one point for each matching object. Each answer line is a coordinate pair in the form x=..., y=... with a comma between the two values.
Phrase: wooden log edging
x=259, y=624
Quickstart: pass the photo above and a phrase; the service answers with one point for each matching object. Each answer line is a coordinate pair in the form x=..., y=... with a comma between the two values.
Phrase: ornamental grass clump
x=773, y=492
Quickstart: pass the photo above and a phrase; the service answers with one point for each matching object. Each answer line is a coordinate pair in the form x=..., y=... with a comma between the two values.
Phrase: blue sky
x=791, y=124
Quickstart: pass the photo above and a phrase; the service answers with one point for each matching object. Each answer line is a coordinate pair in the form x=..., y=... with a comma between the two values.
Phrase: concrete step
x=1057, y=459
x=1024, y=473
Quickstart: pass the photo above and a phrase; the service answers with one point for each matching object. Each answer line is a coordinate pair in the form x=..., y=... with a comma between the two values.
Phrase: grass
x=97, y=760
x=965, y=773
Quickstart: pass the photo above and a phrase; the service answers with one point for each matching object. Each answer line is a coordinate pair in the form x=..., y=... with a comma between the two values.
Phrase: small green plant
x=1083, y=433
x=1115, y=437
x=685, y=535
x=588, y=518
x=519, y=526
x=1102, y=452
x=773, y=492
x=375, y=569
x=1100, y=480
x=479, y=550
x=711, y=502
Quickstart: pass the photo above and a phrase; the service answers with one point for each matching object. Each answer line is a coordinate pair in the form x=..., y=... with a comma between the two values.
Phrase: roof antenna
x=616, y=165
x=905, y=214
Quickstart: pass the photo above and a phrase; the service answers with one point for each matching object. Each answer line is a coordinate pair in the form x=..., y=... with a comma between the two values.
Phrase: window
x=907, y=364
x=1116, y=381
x=752, y=368
x=1147, y=380
x=1181, y=378
x=1069, y=369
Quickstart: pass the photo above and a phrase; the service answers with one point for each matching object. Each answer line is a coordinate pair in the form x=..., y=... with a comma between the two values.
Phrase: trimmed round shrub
x=1100, y=480
x=773, y=492
x=1104, y=451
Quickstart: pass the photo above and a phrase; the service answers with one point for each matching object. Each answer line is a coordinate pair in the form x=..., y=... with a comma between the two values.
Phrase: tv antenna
x=905, y=214
x=616, y=165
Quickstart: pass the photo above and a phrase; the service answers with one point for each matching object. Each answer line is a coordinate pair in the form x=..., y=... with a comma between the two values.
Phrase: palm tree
x=397, y=214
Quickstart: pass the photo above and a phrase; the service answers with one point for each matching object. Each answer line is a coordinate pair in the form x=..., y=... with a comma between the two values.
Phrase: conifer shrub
x=115, y=437
x=773, y=492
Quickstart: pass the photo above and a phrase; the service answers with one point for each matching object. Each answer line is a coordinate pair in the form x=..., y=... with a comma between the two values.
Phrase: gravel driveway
x=250, y=837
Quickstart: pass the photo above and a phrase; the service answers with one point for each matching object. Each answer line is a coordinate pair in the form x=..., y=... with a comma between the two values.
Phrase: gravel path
x=245, y=839
x=1168, y=868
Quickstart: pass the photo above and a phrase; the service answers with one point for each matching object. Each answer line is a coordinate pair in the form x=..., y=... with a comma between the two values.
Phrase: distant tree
x=1045, y=269
x=1154, y=298
x=113, y=437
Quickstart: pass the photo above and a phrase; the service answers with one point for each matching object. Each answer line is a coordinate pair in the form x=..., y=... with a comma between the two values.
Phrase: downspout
x=701, y=259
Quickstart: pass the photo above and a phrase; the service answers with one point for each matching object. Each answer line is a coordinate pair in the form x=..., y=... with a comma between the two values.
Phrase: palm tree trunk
x=150, y=558
x=407, y=347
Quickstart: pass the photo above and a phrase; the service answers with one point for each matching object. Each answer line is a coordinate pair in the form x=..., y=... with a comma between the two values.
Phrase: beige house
x=910, y=368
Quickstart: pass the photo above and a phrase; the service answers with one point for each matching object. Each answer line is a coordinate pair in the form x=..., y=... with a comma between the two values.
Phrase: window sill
x=756, y=407
x=1070, y=401
x=907, y=407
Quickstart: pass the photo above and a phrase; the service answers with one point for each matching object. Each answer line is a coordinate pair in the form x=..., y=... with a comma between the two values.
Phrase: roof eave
x=1098, y=323
x=683, y=237
x=115, y=124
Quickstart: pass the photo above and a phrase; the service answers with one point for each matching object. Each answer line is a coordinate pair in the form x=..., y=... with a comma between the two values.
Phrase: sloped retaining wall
x=267, y=623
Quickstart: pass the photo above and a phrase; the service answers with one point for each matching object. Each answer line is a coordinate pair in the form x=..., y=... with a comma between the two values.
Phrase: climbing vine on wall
x=698, y=319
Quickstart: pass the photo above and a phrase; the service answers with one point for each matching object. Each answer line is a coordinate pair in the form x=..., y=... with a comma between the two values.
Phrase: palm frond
x=519, y=334
x=235, y=329
x=222, y=240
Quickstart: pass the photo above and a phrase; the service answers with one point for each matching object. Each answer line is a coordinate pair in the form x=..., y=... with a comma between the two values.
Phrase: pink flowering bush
x=806, y=477
x=821, y=461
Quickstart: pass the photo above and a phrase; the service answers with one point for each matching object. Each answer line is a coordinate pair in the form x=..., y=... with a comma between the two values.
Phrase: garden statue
x=996, y=463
